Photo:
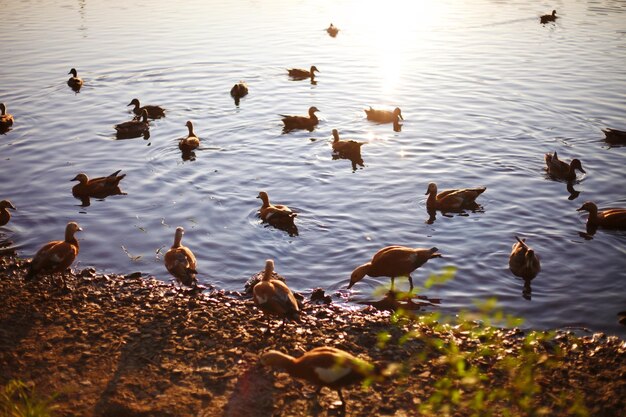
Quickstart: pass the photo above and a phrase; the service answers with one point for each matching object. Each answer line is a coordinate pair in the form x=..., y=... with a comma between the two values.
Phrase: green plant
x=17, y=399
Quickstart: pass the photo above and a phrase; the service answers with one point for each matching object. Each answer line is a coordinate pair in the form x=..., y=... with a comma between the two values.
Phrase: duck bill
x=400, y=116
x=74, y=179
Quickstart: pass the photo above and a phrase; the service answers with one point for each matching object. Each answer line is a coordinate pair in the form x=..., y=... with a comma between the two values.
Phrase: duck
x=394, y=261
x=301, y=122
x=332, y=30
x=549, y=17
x=270, y=212
x=74, y=82
x=562, y=170
x=384, y=116
x=451, y=200
x=154, y=112
x=239, y=90
x=523, y=260
x=301, y=74
x=191, y=142
x=56, y=256
x=324, y=366
x=610, y=218
x=6, y=119
x=614, y=136
x=274, y=298
x=100, y=187
x=346, y=147
x=181, y=262
x=5, y=216
x=134, y=128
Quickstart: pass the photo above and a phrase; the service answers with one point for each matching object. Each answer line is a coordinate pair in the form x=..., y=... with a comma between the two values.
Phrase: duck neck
x=177, y=239
x=267, y=274
x=3, y=109
x=266, y=201
x=432, y=198
x=190, y=128
x=70, y=238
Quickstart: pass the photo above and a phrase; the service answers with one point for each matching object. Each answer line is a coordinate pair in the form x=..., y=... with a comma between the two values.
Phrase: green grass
x=17, y=399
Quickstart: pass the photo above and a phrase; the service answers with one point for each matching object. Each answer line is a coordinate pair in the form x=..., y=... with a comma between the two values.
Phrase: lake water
x=484, y=88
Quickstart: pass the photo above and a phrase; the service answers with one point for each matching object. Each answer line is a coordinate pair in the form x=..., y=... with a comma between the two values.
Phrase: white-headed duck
x=274, y=297
x=191, y=142
x=549, y=17
x=180, y=261
x=610, y=218
x=523, y=260
x=332, y=30
x=324, y=367
x=154, y=112
x=384, y=116
x=100, y=187
x=74, y=82
x=561, y=169
x=301, y=74
x=452, y=200
x=301, y=122
x=56, y=256
x=5, y=216
x=134, y=128
x=394, y=261
x=6, y=119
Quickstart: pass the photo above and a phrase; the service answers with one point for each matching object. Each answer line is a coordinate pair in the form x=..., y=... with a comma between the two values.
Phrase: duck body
x=394, y=261
x=5, y=216
x=610, y=218
x=181, y=262
x=332, y=30
x=301, y=74
x=154, y=112
x=74, y=82
x=134, y=128
x=239, y=90
x=301, y=122
x=561, y=169
x=614, y=136
x=56, y=256
x=549, y=17
x=324, y=367
x=100, y=187
x=523, y=261
x=191, y=142
x=384, y=116
x=452, y=200
x=273, y=297
x=6, y=119
x=270, y=212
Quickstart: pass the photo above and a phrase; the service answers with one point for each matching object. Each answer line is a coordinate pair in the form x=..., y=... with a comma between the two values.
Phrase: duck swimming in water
x=134, y=128
x=610, y=218
x=74, y=82
x=548, y=17
x=6, y=119
x=100, y=187
x=154, y=112
x=384, y=116
x=5, y=216
x=452, y=200
x=301, y=122
x=302, y=74
x=561, y=169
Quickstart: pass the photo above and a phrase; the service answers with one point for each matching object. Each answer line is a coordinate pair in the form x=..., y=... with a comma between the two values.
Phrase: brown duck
x=451, y=200
x=384, y=116
x=332, y=30
x=56, y=256
x=6, y=119
x=154, y=112
x=74, y=82
x=610, y=218
x=346, y=147
x=301, y=122
x=269, y=211
x=239, y=90
x=614, y=136
x=100, y=187
x=274, y=298
x=5, y=216
x=180, y=261
x=561, y=169
x=523, y=261
x=301, y=74
x=324, y=367
x=134, y=128
x=191, y=142
x=394, y=261
x=549, y=17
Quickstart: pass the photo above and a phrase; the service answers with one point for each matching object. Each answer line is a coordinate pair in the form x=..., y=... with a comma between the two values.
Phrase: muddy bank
x=135, y=346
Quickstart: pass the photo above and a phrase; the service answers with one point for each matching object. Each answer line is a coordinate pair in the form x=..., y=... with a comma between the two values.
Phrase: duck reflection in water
x=524, y=263
x=347, y=149
x=98, y=188
x=279, y=216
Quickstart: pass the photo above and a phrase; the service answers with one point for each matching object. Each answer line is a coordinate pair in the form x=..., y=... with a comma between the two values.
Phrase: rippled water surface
x=484, y=88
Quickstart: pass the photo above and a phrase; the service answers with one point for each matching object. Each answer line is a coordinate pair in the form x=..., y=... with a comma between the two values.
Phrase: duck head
x=7, y=204
x=82, y=178
x=335, y=135
x=589, y=206
x=314, y=69
x=73, y=72
x=269, y=268
x=71, y=229
x=134, y=102
x=575, y=164
x=312, y=111
x=398, y=113
x=264, y=197
x=359, y=273
x=432, y=189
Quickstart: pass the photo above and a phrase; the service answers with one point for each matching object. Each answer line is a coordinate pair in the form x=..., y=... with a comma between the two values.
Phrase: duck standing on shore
x=5, y=216
x=6, y=119
x=74, y=82
x=301, y=122
x=274, y=297
x=181, y=262
x=394, y=261
x=56, y=256
x=154, y=112
x=324, y=367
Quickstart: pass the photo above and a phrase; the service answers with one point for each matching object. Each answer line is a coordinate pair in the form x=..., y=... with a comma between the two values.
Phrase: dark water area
x=484, y=88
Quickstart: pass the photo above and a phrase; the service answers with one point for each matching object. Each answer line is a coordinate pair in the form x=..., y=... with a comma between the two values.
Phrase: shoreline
x=135, y=346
